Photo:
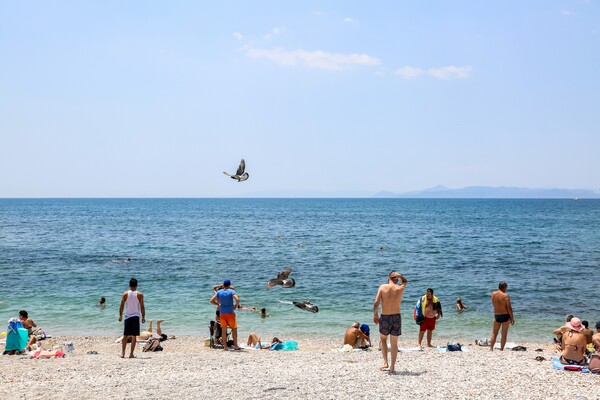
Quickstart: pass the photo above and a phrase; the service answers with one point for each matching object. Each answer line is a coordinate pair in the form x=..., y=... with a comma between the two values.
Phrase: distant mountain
x=486, y=192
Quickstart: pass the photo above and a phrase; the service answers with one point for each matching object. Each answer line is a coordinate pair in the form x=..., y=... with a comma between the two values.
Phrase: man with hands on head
x=390, y=322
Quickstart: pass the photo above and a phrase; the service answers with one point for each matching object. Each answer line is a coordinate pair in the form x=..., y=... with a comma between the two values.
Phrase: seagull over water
x=240, y=175
x=282, y=279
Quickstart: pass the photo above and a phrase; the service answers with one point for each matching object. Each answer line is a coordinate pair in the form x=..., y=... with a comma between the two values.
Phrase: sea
x=59, y=256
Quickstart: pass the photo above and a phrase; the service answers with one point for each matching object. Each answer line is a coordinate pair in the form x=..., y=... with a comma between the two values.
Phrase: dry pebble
x=188, y=370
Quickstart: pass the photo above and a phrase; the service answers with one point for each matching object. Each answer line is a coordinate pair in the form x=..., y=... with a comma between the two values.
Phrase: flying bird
x=307, y=306
x=282, y=279
x=240, y=175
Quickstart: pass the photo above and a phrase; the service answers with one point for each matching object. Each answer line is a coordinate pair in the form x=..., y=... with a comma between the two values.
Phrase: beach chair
x=216, y=335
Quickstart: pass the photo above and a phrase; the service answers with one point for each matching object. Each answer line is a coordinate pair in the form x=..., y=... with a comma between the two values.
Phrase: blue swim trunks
x=390, y=325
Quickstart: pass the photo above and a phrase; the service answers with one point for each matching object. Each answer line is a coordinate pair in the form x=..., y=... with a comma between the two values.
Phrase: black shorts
x=132, y=326
x=501, y=318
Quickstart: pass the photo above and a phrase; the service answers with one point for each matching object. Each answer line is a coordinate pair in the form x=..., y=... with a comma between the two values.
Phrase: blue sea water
x=56, y=261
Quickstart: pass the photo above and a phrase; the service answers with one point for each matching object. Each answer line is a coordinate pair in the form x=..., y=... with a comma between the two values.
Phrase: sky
x=331, y=98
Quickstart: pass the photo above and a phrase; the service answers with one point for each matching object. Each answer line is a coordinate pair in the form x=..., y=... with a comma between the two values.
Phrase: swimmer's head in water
x=133, y=283
x=102, y=300
x=263, y=310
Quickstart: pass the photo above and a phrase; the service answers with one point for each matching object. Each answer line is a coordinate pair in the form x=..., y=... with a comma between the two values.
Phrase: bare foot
x=225, y=349
x=122, y=355
x=236, y=348
x=384, y=366
x=131, y=356
x=158, y=321
x=392, y=372
x=429, y=345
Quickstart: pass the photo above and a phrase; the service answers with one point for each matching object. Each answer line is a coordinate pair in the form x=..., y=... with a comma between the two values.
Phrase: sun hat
x=575, y=324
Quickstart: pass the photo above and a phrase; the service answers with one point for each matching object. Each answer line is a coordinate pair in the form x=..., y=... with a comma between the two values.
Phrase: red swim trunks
x=427, y=325
x=228, y=320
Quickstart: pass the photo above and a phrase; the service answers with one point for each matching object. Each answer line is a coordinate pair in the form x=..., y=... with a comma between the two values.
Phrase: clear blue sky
x=136, y=99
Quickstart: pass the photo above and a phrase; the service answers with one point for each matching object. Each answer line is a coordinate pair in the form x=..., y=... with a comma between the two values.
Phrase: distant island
x=487, y=192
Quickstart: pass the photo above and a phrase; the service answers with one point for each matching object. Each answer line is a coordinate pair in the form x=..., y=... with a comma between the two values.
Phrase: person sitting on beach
x=574, y=344
x=254, y=341
x=102, y=302
x=560, y=331
x=596, y=337
x=459, y=305
x=356, y=338
x=587, y=332
x=29, y=324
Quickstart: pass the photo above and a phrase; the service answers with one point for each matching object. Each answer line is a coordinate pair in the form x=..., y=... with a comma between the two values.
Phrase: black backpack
x=453, y=346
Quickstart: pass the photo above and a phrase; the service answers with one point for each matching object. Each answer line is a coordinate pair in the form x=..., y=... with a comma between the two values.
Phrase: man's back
x=391, y=297
x=225, y=297
x=499, y=301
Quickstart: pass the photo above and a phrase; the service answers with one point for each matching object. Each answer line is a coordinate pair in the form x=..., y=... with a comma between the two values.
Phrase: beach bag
x=152, y=345
x=417, y=315
x=594, y=365
x=453, y=346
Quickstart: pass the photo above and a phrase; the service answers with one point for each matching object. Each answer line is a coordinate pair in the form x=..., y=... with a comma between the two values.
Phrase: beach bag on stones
x=152, y=345
x=594, y=365
x=453, y=346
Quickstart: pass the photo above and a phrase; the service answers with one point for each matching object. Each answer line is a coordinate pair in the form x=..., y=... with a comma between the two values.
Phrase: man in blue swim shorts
x=390, y=323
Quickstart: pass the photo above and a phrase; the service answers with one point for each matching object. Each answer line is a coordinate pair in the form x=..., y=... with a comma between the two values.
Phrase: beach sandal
x=540, y=358
x=92, y=352
x=519, y=348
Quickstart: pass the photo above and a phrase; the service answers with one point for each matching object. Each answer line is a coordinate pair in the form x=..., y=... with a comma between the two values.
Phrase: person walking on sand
x=503, y=315
x=430, y=308
x=132, y=302
x=389, y=296
x=224, y=299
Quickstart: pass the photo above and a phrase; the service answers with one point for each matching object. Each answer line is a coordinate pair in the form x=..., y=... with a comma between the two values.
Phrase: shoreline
x=187, y=369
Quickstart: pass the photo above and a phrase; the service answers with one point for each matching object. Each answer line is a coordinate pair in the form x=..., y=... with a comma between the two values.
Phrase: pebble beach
x=187, y=369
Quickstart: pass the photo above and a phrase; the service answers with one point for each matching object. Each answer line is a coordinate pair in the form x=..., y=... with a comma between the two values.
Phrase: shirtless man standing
x=503, y=314
x=390, y=323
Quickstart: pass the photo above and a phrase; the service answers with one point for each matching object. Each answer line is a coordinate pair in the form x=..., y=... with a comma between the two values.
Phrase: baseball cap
x=226, y=282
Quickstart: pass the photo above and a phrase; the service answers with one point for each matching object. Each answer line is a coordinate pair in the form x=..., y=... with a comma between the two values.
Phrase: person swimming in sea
x=459, y=305
x=102, y=302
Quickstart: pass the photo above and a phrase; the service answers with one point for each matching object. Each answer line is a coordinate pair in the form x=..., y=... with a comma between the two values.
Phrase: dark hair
x=585, y=323
x=23, y=314
x=598, y=325
x=276, y=340
x=102, y=299
x=163, y=337
x=263, y=310
x=502, y=285
x=430, y=290
x=569, y=317
x=133, y=282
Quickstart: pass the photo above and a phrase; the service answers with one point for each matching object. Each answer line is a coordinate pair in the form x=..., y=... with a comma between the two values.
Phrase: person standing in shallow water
x=503, y=315
x=132, y=302
x=390, y=322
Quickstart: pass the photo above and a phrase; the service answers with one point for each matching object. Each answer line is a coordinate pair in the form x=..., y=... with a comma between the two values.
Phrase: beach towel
x=411, y=350
x=444, y=349
x=347, y=349
x=507, y=346
x=556, y=364
x=288, y=345
x=419, y=312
